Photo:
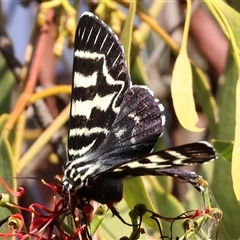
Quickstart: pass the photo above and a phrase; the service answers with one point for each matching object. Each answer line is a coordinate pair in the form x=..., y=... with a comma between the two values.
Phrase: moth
x=114, y=124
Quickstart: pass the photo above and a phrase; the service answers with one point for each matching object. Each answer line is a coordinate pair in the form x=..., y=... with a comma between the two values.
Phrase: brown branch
x=23, y=100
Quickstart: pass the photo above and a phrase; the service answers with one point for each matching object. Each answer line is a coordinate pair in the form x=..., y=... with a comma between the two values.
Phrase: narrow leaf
x=6, y=169
x=126, y=36
x=181, y=86
x=236, y=147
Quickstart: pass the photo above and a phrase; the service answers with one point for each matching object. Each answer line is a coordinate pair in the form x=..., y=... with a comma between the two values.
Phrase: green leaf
x=6, y=85
x=229, y=21
x=3, y=119
x=166, y=204
x=227, y=101
x=227, y=177
x=6, y=155
x=97, y=219
x=224, y=149
x=138, y=73
x=202, y=90
x=232, y=26
x=222, y=179
x=126, y=35
x=134, y=193
x=6, y=169
x=106, y=232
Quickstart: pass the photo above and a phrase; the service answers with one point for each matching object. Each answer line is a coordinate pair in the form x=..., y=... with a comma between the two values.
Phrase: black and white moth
x=114, y=124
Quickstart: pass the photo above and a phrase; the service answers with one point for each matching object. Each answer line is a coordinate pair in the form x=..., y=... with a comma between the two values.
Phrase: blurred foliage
x=202, y=71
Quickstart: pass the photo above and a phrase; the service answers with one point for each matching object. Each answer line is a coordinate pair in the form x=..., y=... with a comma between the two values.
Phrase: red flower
x=45, y=223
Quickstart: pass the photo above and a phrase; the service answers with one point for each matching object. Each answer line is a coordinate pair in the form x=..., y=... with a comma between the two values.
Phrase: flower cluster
x=69, y=217
x=45, y=223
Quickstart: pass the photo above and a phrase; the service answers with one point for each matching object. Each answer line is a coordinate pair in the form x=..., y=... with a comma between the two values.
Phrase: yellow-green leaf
x=181, y=86
x=236, y=147
x=182, y=93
